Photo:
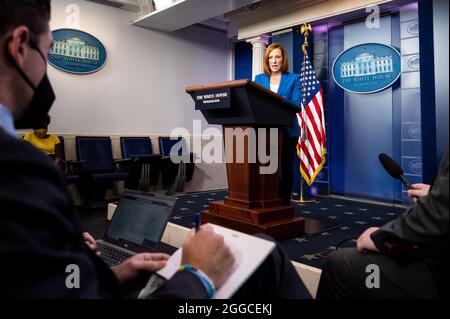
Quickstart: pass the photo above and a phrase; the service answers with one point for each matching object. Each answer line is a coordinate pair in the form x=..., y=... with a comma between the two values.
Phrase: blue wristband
x=206, y=282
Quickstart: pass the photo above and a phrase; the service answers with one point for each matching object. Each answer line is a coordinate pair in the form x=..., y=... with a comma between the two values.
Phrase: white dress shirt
x=7, y=121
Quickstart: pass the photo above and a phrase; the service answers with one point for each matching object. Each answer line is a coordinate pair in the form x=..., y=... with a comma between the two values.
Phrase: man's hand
x=208, y=252
x=131, y=267
x=365, y=243
x=418, y=190
x=90, y=241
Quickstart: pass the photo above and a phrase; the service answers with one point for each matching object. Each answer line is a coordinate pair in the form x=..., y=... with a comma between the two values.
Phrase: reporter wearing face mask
x=50, y=144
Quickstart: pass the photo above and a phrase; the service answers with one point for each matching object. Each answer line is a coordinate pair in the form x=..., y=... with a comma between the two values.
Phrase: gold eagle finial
x=305, y=30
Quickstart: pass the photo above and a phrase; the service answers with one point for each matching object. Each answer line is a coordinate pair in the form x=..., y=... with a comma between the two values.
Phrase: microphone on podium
x=393, y=169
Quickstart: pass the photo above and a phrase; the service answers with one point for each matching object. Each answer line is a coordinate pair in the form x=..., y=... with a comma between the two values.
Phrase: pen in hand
x=197, y=222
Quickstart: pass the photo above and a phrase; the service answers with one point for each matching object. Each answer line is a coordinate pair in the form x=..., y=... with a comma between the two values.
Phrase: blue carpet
x=350, y=217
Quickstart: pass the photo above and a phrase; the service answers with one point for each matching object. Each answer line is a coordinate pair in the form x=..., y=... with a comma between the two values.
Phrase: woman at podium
x=277, y=78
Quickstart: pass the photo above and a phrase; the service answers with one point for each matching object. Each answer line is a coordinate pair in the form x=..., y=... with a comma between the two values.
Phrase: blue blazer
x=290, y=89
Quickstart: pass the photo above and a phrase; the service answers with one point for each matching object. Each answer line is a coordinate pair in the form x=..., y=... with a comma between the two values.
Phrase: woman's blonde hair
x=270, y=48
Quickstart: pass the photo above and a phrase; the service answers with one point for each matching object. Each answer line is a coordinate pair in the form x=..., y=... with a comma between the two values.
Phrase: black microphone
x=393, y=169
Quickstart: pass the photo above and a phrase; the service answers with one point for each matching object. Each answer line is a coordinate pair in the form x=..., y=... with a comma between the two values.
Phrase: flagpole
x=312, y=225
x=305, y=30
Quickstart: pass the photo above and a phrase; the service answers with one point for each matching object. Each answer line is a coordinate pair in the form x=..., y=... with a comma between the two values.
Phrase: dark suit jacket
x=289, y=88
x=426, y=224
x=40, y=235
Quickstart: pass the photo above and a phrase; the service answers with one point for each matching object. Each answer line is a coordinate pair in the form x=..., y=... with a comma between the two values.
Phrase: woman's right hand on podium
x=207, y=251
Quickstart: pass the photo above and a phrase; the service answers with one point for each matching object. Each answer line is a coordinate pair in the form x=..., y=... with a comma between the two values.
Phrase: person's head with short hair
x=275, y=59
x=25, y=40
x=34, y=14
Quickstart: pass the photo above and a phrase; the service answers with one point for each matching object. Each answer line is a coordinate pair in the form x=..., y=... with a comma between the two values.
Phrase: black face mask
x=43, y=97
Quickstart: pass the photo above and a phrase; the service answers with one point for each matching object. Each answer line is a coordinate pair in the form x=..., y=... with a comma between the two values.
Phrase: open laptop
x=137, y=226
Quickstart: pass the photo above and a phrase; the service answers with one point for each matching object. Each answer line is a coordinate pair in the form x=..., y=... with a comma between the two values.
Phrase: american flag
x=311, y=147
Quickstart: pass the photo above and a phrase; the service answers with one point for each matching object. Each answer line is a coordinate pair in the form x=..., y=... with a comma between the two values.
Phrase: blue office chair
x=145, y=166
x=72, y=168
x=175, y=174
x=99, y=169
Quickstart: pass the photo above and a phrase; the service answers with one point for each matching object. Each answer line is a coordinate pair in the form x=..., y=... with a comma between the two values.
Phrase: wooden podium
x=252, y=205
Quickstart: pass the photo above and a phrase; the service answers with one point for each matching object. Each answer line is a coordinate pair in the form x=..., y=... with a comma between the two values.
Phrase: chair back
x=96, y=152
x=135, y=146
x=166, y=144
x=63, y=148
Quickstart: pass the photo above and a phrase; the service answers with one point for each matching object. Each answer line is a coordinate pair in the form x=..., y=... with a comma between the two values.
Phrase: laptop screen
x=140, y=218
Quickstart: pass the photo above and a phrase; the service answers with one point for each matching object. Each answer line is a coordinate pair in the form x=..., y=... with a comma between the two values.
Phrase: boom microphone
x=393, y=169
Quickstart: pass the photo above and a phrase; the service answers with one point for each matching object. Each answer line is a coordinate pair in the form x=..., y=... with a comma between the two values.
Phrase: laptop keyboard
x=111, y=255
